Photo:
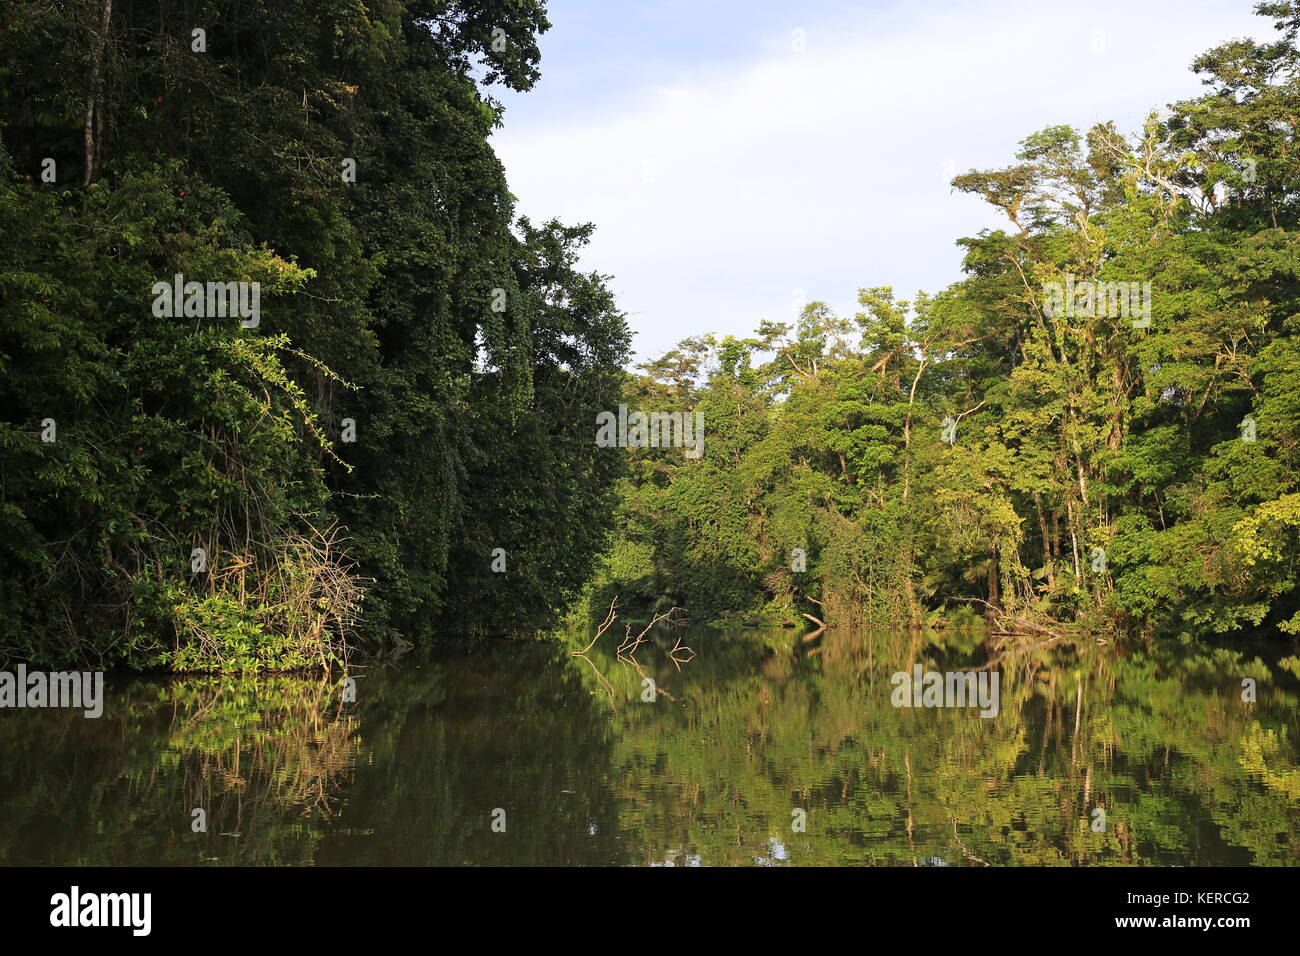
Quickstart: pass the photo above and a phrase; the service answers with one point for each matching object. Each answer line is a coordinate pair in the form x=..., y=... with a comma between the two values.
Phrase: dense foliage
x=999, y=448
x=401, y=441
x=414, y=395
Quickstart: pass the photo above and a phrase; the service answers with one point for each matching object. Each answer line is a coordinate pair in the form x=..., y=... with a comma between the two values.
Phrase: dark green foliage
x=380, y=304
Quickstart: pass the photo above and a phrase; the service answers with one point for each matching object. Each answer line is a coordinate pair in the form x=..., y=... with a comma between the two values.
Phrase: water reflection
x=763, y=749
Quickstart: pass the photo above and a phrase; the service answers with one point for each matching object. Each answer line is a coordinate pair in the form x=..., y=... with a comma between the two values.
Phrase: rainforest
x=420, y=388
x=342, y=482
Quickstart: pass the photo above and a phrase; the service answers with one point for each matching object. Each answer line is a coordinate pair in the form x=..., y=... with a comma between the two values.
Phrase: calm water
x=756, y=728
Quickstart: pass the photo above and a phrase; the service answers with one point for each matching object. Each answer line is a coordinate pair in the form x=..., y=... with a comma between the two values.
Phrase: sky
x=741, y=158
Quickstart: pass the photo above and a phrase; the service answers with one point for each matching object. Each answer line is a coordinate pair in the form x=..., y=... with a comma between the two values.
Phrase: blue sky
x=739, y=158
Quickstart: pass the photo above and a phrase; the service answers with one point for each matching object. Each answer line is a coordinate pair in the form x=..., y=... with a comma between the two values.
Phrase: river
x=750, y=748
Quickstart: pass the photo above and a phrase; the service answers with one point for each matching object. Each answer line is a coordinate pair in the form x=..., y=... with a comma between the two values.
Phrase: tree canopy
x=1097, y=425
x=414, y=394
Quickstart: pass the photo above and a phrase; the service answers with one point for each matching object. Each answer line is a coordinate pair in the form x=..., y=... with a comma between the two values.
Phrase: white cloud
x=722, y=190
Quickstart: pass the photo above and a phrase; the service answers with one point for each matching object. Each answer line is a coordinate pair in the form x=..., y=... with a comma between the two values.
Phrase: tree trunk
x=1048, y=564
x=94, y=133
